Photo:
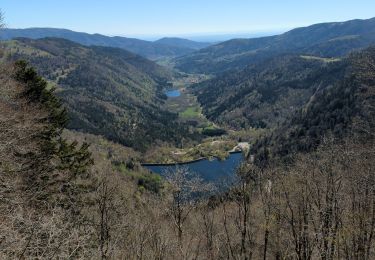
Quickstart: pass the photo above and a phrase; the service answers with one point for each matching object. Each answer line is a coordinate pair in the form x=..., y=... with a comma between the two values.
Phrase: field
x=191, y=113
x=186, y=105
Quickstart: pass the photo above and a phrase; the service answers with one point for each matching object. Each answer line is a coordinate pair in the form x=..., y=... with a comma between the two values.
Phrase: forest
x=56, y=204
x=107, y=91
x=77, y=121
x=332, y=110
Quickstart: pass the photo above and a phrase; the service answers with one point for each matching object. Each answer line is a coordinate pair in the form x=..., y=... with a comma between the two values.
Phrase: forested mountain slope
x=148, y=49
x=107, y=91
x=326, y=40
x=263, y=95
x=345, y=106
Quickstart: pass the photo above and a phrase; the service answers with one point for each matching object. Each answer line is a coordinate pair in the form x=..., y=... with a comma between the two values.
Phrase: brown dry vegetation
x=321, y=207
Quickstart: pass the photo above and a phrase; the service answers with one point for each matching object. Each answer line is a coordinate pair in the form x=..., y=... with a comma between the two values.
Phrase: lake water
x=173, y=93
x=210, y=171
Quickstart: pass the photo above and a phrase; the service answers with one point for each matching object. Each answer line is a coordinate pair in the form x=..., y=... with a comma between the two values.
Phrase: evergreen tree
x=54, y=167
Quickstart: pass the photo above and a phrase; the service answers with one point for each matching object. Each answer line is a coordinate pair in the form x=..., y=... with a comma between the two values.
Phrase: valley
x=182, y=101
x=173, y=114
x=121, y=105
x=206, y=116
x=114, y=147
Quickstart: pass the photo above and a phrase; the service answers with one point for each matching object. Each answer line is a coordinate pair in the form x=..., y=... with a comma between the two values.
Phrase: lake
x=210, y=171
x=173, y=93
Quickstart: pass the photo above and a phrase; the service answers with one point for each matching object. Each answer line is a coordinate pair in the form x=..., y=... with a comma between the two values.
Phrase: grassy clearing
x=191, y=112
x=187, y=107
x=327, y=60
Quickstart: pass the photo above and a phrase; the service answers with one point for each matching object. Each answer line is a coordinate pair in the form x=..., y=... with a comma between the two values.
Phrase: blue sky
x=180, y=17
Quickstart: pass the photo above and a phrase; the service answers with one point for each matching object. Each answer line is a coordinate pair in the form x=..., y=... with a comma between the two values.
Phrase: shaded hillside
x=110, y=92
x=264, y=95
x=347, y=105
x=184, y=43
x=327, y=39
x=151, y=50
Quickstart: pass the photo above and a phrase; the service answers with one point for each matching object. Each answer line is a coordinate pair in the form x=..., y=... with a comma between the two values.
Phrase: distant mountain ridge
x=184, y=43
x=325, y=39
x=148, y=49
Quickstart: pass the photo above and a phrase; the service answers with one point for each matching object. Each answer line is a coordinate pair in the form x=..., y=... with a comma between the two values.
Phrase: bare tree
x=2, y=20
x=243, y=196
x=208, y=225
x=297, y=213
x=187, y=189
x=267, y=196
x=105, y=206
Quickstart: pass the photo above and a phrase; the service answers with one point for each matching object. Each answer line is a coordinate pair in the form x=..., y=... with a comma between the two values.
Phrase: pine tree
x=52, y=170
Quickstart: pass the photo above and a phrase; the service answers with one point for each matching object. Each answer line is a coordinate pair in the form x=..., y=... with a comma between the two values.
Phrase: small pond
x=173, y=93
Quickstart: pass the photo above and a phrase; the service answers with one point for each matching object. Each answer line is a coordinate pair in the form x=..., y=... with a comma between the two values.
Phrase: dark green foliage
x=73, y=158
x=36, y=92
x=55, y=163
x=151, y=182
x=144, y=179
x=213, y=131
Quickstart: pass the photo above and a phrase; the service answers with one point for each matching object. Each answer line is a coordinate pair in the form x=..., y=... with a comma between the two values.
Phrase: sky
x=154, y=18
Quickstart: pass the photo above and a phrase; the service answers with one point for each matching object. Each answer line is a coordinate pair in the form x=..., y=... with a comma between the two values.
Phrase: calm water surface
x=210, y=171
x=173, y=93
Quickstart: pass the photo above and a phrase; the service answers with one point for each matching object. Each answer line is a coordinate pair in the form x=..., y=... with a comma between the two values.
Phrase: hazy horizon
x=208, y=37
x=194, y=19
